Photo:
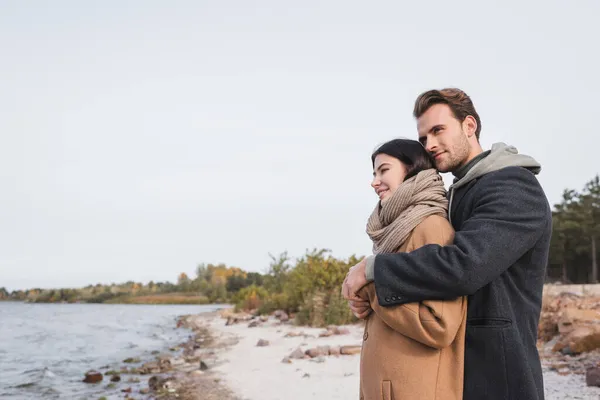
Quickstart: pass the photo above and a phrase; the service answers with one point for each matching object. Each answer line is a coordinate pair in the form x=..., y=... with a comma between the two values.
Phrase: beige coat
x=415, y=351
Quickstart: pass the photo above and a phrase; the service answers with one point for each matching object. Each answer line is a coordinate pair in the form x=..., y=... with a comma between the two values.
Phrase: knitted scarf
x=415, y=199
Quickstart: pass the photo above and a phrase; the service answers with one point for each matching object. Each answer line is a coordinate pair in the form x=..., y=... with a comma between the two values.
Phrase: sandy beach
x=254, y=372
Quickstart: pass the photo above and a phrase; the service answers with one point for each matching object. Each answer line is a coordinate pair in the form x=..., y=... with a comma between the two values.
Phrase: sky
x=141, y=138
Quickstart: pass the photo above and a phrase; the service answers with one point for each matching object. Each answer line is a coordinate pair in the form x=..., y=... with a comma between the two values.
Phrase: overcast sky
x=140, y=138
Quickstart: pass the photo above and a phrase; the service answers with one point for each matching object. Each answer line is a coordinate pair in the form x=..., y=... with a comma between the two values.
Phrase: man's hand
x=360, y=308
x=355, y=280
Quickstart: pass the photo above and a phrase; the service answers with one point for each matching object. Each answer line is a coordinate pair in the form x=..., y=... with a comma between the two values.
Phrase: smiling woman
x=395, y=162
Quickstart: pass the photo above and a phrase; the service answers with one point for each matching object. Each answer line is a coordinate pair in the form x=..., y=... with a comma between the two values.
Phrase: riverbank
x=266, y=357
x=239, y=356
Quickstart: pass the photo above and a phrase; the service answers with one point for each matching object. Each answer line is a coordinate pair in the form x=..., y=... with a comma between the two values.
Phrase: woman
x=413, y=351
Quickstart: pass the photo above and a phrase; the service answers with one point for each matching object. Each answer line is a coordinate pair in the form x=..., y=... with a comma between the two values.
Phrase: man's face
x=444, y=137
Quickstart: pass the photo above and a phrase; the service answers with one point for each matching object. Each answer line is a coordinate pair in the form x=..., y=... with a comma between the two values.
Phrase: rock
x=297, y=354
x=264, y=318
x=164, y=365
x=115, y=378
x=571, y=316
x=144, y=391
x=318, y=351
x=307, y=375
x=131, y=360
x=175, y=362
x=150, y=368
x=281, y=315
x=93, y=377
x=350, y=350
x=127, y=390
x=153, y=383
x=262, y=343
x=319, y=359
x=254, y=324
x=326, y=334
x=203, y=366
x=334, y=351
x=286, y=360
x=592, y=376
x=579, y=340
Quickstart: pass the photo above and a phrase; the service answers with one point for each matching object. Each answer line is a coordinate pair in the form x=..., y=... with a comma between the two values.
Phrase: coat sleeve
x=509, y=214
x=434, y=323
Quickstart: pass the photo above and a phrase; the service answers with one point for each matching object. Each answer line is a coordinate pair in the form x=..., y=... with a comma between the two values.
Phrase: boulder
x=334, y=351
x=93, y=377
x=350, y=350
x=592, y=376
x=281, y=315
x=151, y=367
x=262, y=343
x=581, y=339
x=571, y=317
x=115, y=378
x=297, y=354
x=254, y=324
x=317, y=351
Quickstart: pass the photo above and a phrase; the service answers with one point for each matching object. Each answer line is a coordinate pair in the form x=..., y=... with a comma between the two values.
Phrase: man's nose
x=431, y=145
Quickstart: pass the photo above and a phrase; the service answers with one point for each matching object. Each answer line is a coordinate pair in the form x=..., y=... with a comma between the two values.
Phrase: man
x=498, y=259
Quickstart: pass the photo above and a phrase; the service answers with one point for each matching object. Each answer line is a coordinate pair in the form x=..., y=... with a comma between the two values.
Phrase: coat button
x=387, y=299
x=393, y=298
x=366, y=336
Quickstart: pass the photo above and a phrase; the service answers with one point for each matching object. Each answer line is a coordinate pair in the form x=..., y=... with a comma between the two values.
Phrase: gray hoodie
x=501, y=156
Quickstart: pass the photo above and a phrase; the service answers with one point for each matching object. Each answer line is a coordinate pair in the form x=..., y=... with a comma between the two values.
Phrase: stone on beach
x=317, y=351
x=350, y=350
x=297, y=354
x=93, y=377
x=592, y=376
x=262, y=343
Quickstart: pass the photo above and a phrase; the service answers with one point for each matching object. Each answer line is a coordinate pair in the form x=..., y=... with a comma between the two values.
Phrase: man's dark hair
x=458, y=101
x=409, y=152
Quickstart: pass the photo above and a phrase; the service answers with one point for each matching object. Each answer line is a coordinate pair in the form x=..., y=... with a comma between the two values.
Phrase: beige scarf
x=393, y=219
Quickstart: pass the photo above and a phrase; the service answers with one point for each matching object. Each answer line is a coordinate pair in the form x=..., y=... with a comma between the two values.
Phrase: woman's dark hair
x=410, y=152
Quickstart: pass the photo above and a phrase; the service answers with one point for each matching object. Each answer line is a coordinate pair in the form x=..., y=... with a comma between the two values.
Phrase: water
x=45, y=349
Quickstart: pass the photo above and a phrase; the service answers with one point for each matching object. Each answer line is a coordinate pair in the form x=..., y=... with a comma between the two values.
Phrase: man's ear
x=469, y=126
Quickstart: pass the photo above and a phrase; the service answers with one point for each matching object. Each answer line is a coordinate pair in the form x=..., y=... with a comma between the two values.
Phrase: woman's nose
x=375, y=182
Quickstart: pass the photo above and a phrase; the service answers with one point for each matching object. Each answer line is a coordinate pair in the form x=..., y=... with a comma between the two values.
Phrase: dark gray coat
x=503, y=226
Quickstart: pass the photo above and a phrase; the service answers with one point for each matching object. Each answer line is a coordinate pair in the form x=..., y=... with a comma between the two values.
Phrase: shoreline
x=230, y=356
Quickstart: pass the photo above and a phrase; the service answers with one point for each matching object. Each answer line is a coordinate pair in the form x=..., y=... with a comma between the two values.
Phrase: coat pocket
x=485, y=360
x=386, y=390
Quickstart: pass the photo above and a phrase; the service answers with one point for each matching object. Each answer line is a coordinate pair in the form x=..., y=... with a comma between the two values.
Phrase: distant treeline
x=309, y=287
x=575, y=235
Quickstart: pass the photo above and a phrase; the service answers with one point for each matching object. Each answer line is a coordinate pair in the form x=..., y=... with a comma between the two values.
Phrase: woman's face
x=388, y=174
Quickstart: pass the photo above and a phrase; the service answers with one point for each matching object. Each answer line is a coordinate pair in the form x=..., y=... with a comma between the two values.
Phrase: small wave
x=23, y=385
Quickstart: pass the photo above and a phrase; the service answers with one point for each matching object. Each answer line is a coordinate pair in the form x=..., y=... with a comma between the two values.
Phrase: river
x=45, y=349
